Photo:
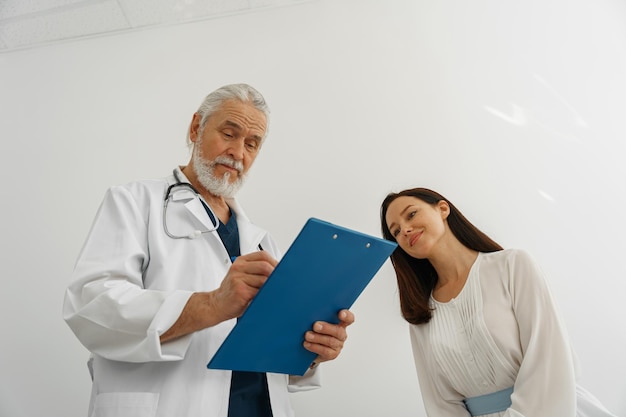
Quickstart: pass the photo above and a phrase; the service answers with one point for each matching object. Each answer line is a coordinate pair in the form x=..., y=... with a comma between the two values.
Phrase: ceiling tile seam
x=278, y=4
x=54, y=10
x=120, y=5
x=207, y=17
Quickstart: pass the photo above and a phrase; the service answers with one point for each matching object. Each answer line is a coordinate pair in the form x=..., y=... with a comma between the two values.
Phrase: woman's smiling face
x=416, y=225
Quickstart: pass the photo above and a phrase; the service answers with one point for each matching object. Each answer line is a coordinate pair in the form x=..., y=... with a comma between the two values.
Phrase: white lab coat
x=131, y=282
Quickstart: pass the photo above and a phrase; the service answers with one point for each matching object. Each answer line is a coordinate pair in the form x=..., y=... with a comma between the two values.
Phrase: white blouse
x=502, y=330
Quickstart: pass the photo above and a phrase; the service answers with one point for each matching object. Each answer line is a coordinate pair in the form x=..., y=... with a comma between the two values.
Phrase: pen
x=232, y=258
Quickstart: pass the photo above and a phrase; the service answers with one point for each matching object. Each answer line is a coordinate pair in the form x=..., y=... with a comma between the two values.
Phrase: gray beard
x=221, y=187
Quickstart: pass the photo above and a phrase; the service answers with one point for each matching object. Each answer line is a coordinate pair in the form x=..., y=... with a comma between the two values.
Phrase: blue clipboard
x=324, y=271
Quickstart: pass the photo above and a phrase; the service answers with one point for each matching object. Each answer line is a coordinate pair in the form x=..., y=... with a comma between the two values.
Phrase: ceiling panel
x=63, y=23
x=28, y=23
x=14, y=8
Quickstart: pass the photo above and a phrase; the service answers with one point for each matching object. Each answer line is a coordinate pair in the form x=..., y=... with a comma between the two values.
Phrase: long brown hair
x=417, y=277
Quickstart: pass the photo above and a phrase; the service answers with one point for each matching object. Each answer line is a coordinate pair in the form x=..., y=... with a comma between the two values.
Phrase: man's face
x=227, y=146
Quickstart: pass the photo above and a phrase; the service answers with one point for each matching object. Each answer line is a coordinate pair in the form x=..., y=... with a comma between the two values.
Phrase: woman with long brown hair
x=486, y=333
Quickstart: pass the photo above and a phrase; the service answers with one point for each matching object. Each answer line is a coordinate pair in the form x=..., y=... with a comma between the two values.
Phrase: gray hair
x=241, y=92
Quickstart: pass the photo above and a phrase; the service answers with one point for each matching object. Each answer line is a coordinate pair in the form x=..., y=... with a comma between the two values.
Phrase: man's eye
x=252, y=145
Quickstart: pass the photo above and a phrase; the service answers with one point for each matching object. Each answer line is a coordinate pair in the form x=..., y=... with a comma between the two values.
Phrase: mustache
x=225, y=160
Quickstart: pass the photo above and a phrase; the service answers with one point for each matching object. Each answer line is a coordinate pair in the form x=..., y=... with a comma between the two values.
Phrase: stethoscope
x=179, y=186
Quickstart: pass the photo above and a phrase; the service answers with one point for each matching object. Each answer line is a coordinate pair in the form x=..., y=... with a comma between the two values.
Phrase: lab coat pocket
x=126, y=404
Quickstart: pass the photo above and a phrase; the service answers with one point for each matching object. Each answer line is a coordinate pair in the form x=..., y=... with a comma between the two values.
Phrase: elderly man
x=155, y=291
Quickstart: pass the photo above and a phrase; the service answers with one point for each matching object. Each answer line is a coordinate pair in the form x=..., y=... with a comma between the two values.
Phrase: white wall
x=513, y=110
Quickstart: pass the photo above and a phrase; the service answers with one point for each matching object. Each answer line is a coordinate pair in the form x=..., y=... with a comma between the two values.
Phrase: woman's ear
x=444, y=208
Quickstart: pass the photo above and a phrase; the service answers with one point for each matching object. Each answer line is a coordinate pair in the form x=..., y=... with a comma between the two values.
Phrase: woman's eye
x=411, y=214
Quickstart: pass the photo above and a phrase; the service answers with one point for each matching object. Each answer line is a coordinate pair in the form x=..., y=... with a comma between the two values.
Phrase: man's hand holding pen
x=247, y=275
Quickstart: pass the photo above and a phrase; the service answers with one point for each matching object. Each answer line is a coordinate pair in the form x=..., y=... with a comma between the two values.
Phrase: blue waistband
x=489, y=403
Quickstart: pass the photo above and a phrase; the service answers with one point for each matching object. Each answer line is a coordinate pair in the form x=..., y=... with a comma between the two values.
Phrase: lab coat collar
x=250, y=235
x=194, y=205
